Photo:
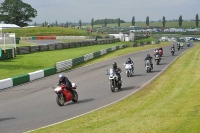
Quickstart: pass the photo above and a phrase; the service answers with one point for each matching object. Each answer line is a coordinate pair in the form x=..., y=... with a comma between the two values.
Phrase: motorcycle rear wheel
x=60, y=99
x=75, y=98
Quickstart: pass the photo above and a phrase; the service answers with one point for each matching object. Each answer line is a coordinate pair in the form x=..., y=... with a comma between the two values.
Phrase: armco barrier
x=5, y=83
x=21, y=79
x=36, y=75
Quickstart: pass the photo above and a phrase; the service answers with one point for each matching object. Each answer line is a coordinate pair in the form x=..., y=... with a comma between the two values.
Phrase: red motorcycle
x=64, y=95
x=161, y=53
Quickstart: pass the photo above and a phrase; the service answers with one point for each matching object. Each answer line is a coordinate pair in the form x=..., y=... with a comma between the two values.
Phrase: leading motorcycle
x=64, y=95
x=188, y=44
x=129, y=69
x=113, y=80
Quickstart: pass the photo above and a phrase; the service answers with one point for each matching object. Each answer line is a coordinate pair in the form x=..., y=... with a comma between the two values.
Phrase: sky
x=84, y=10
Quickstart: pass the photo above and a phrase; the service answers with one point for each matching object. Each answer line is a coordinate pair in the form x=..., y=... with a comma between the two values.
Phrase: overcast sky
x=85, y=10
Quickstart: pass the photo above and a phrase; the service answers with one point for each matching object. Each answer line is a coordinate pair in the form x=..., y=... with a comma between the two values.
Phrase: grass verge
x=169, y=104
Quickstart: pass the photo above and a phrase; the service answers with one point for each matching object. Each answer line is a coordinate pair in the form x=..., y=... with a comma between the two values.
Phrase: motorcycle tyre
x=128, y=74
x=112, y=87
x=75, y=98
x=58, y=100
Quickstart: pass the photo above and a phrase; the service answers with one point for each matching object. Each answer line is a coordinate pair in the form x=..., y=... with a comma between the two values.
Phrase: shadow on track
x=5, y=119
x=127, y=88
x=81, y=101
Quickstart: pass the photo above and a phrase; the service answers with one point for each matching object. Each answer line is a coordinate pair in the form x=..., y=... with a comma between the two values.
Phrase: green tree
x=133, y=21
x=80, y=24
x=56, y=23
x=197, y=20
x=67, y=25
x=180, y=21
x=105, y=22
x=118, y=22
x=16, y=12
x=147, y=21
x=163, y=21
x=92, y=23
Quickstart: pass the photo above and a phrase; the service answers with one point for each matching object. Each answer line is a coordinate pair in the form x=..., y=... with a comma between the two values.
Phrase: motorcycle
x=172, y=51
x=64, y=95
x=161, y=53
x=129, y=70
x=181, y=45
x=148, y=66
x=157, y=59
x=188, y=44
x=178, y=47
x=113, y=80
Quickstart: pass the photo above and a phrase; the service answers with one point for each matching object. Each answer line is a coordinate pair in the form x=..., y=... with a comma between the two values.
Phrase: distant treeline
x=109, y=21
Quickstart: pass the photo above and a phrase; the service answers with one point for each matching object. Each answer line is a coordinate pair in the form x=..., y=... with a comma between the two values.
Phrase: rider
x=65, y=80
x=149, y=58
x=172, y=46
x=117, y=70
x=129, y=61
x=161, y=49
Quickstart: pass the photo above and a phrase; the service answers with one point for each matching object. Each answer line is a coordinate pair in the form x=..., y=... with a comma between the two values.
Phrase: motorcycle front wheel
x=128, y=74
x=60, y=99
x=147, y=69
x=112, y=86
x=157, y=62
x=75, y=98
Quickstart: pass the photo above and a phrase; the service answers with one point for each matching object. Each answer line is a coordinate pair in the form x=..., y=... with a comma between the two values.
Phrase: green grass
x=169, y=104
x=44, y=31
x=186, y=24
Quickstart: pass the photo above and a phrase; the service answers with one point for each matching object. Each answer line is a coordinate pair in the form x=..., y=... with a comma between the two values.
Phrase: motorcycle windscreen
x=111, y=71
x=147, y=62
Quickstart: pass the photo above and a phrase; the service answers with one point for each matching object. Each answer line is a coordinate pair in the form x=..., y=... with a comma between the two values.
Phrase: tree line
x=20, y=13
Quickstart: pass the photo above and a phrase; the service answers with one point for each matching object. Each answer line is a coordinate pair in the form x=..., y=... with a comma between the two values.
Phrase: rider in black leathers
x=65, y=80
x=129, y=61
x=149, y=58
x=117, y=70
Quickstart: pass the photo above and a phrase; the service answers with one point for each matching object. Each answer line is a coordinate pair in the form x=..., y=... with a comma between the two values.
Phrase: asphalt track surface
x=33, y=105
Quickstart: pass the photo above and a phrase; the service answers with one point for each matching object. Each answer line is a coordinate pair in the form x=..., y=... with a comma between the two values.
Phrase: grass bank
x=45, y=31
x=169, y=104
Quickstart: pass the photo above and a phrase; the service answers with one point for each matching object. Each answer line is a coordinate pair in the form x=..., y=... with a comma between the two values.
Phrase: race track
x=33, y=105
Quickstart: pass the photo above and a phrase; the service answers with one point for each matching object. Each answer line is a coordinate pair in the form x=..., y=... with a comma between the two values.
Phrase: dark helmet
x=129, y=59
x=61, y=76
x=148, y=55
x=114, y=65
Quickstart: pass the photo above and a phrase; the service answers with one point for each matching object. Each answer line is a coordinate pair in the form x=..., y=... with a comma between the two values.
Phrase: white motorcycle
x=129, y=69
x=148, y=66
x=113, y=80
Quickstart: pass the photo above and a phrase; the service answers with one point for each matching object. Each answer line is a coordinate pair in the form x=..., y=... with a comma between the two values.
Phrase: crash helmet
x=114, y=65
x=61, y=76
x=129, y=59
x=148, y=55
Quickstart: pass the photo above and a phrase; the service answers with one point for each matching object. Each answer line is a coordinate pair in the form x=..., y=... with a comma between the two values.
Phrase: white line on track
x=117, y=100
